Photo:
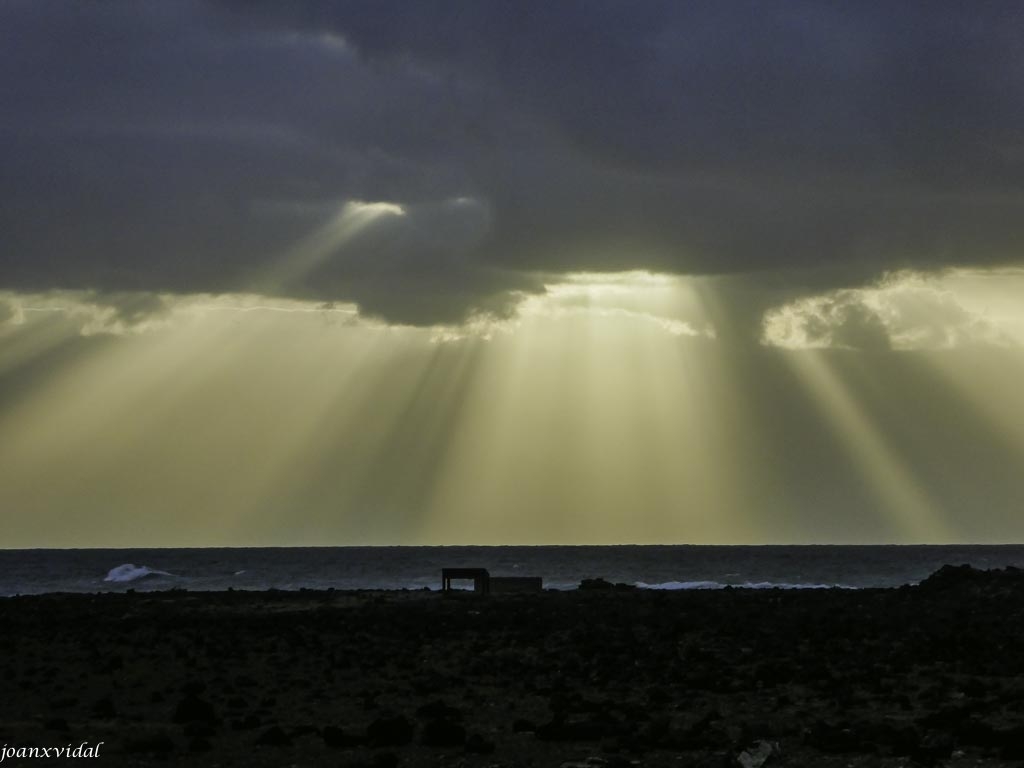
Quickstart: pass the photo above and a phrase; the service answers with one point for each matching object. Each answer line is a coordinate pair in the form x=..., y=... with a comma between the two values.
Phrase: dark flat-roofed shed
x=481, y=578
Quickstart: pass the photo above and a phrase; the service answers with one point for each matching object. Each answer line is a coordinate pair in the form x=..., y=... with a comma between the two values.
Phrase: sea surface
x=38, y=571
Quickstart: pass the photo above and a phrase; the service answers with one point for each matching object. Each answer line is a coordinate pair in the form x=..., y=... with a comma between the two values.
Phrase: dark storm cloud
x=188, y=146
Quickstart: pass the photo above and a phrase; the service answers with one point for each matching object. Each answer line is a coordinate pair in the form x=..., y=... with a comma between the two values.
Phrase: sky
x=511, y=272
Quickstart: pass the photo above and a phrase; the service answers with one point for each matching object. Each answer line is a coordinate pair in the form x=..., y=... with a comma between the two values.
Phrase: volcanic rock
x=442, y=733
x=390, y=731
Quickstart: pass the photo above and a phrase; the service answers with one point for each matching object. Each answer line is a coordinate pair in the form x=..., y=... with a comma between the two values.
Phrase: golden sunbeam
x=594, y=415
x=352, y=219
x=565, y=423
x=885, y=472
x=741, y=401
x=609, y=408
x=403, y=450
x=201, y=415
x=990, y=386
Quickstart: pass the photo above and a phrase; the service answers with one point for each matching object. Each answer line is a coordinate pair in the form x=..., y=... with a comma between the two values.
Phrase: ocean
x=40, y=571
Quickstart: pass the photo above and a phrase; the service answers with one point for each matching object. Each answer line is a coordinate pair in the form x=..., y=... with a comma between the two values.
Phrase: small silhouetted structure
x=481, y=578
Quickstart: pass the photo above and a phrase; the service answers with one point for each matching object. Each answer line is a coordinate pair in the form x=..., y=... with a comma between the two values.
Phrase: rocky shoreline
x=926, y=675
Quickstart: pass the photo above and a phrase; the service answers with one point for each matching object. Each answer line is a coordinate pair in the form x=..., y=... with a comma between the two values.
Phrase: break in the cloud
x=192, y=147
x=659, y=300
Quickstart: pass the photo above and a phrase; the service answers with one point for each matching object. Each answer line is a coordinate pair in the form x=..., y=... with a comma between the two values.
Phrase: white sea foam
x=744, y=585
x=682, y=585
x=132, y=572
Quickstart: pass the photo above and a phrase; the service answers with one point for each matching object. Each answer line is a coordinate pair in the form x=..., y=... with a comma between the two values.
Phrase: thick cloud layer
x=192, y=147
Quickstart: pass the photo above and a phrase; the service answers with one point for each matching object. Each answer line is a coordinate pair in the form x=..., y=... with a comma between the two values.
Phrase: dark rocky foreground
x=926, y=675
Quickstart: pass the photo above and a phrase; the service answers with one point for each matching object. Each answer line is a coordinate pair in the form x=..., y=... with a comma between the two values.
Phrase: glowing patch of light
x=351, y=220
x=592, y=422
x=903, y=311
x=661, y=301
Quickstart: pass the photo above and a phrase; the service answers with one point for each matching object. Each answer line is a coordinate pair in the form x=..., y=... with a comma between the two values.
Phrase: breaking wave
x=744, y=585
x=132, y=572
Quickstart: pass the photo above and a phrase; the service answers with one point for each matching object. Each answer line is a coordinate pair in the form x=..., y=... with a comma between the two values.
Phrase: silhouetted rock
x=965, y=576
x=442, y=733
x=378, y=760
x=706, y=733
x=438, y=710
x=394, y=731
x=975, y=732
x=273, y=736
x=248, y=723
x=56, y=724
x=104, y=709
x=334, y=736
x=522, y=725
x=949, y=576
x=933, y=747
x=478, y=745
x=150, y=743
x=898, y=739
x=192, y=708
x=832, y=739
x=570, y=730
x=1009, y=742
x=756, y=755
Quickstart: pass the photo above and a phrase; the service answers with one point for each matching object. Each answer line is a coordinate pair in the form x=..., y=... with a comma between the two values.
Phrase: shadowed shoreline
x=926, y=675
